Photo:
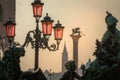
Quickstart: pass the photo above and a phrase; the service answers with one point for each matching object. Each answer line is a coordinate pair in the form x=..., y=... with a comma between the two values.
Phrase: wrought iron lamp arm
x=29, y=39
x=42, y=42
x=53, y=47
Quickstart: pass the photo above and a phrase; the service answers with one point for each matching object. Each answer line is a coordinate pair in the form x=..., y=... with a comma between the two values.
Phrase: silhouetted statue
x=106, y=66
x=76, y=30
x=83, y=68
x=10, y=64
x=70, y=74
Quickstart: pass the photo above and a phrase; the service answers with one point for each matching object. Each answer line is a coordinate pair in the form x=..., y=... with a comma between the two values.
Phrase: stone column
x=75, y=49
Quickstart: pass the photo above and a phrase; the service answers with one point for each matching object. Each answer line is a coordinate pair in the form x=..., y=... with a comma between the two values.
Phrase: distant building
x=7, y=10
x=46, y=73
x=64, y=57
x=88, y=63
x=50, y=75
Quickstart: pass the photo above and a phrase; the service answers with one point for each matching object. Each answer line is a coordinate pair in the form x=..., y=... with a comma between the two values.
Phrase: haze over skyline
x=86, y=14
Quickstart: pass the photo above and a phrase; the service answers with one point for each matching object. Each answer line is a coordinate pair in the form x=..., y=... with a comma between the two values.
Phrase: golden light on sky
x=89, y=15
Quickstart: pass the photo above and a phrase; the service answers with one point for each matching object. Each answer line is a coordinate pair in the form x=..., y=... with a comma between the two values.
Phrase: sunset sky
x=89, y=15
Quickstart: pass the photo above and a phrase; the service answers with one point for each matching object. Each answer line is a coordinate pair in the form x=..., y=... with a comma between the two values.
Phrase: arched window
x=1, y=13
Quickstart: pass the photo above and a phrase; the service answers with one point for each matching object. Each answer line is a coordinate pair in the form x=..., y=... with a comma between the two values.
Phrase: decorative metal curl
x=42, y=41
x=29, y=39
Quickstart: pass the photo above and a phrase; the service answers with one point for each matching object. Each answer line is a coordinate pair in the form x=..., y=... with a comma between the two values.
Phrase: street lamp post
x=39, y=39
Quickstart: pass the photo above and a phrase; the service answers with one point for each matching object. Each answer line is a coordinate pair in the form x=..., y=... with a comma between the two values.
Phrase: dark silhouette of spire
x=64, y=57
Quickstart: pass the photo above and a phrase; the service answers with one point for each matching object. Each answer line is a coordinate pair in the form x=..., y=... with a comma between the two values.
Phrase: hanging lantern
x=47, y=26
x=37, y=8
x=58, y=31
x=10, y=28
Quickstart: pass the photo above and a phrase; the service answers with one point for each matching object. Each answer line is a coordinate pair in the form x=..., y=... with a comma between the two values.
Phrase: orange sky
x=89, y=15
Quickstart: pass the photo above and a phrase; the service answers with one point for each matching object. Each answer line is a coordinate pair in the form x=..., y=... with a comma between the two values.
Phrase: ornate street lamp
x=10, y=30
x=37, y=8
x=39, y=39
x=58, y=32
x=47, y=26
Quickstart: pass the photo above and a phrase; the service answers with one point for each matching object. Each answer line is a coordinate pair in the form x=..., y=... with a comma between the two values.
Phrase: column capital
x=75, y=37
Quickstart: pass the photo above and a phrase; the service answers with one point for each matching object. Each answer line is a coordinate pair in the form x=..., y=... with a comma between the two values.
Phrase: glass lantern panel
x=58, y=32
x=37, y=10
x=47, y=27
x=10, y=30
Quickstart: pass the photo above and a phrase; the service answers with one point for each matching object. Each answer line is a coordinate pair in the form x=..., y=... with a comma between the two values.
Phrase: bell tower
x=64, y=57
x=7, y=10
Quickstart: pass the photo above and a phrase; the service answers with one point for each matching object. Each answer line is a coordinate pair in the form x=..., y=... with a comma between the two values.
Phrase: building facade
x=7, y=10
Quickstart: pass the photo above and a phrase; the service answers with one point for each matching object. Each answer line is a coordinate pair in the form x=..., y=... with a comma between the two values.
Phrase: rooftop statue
x=10, y=63
x=76, y=30
x=70, y=74
x=112, y=31
x=106, y=66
